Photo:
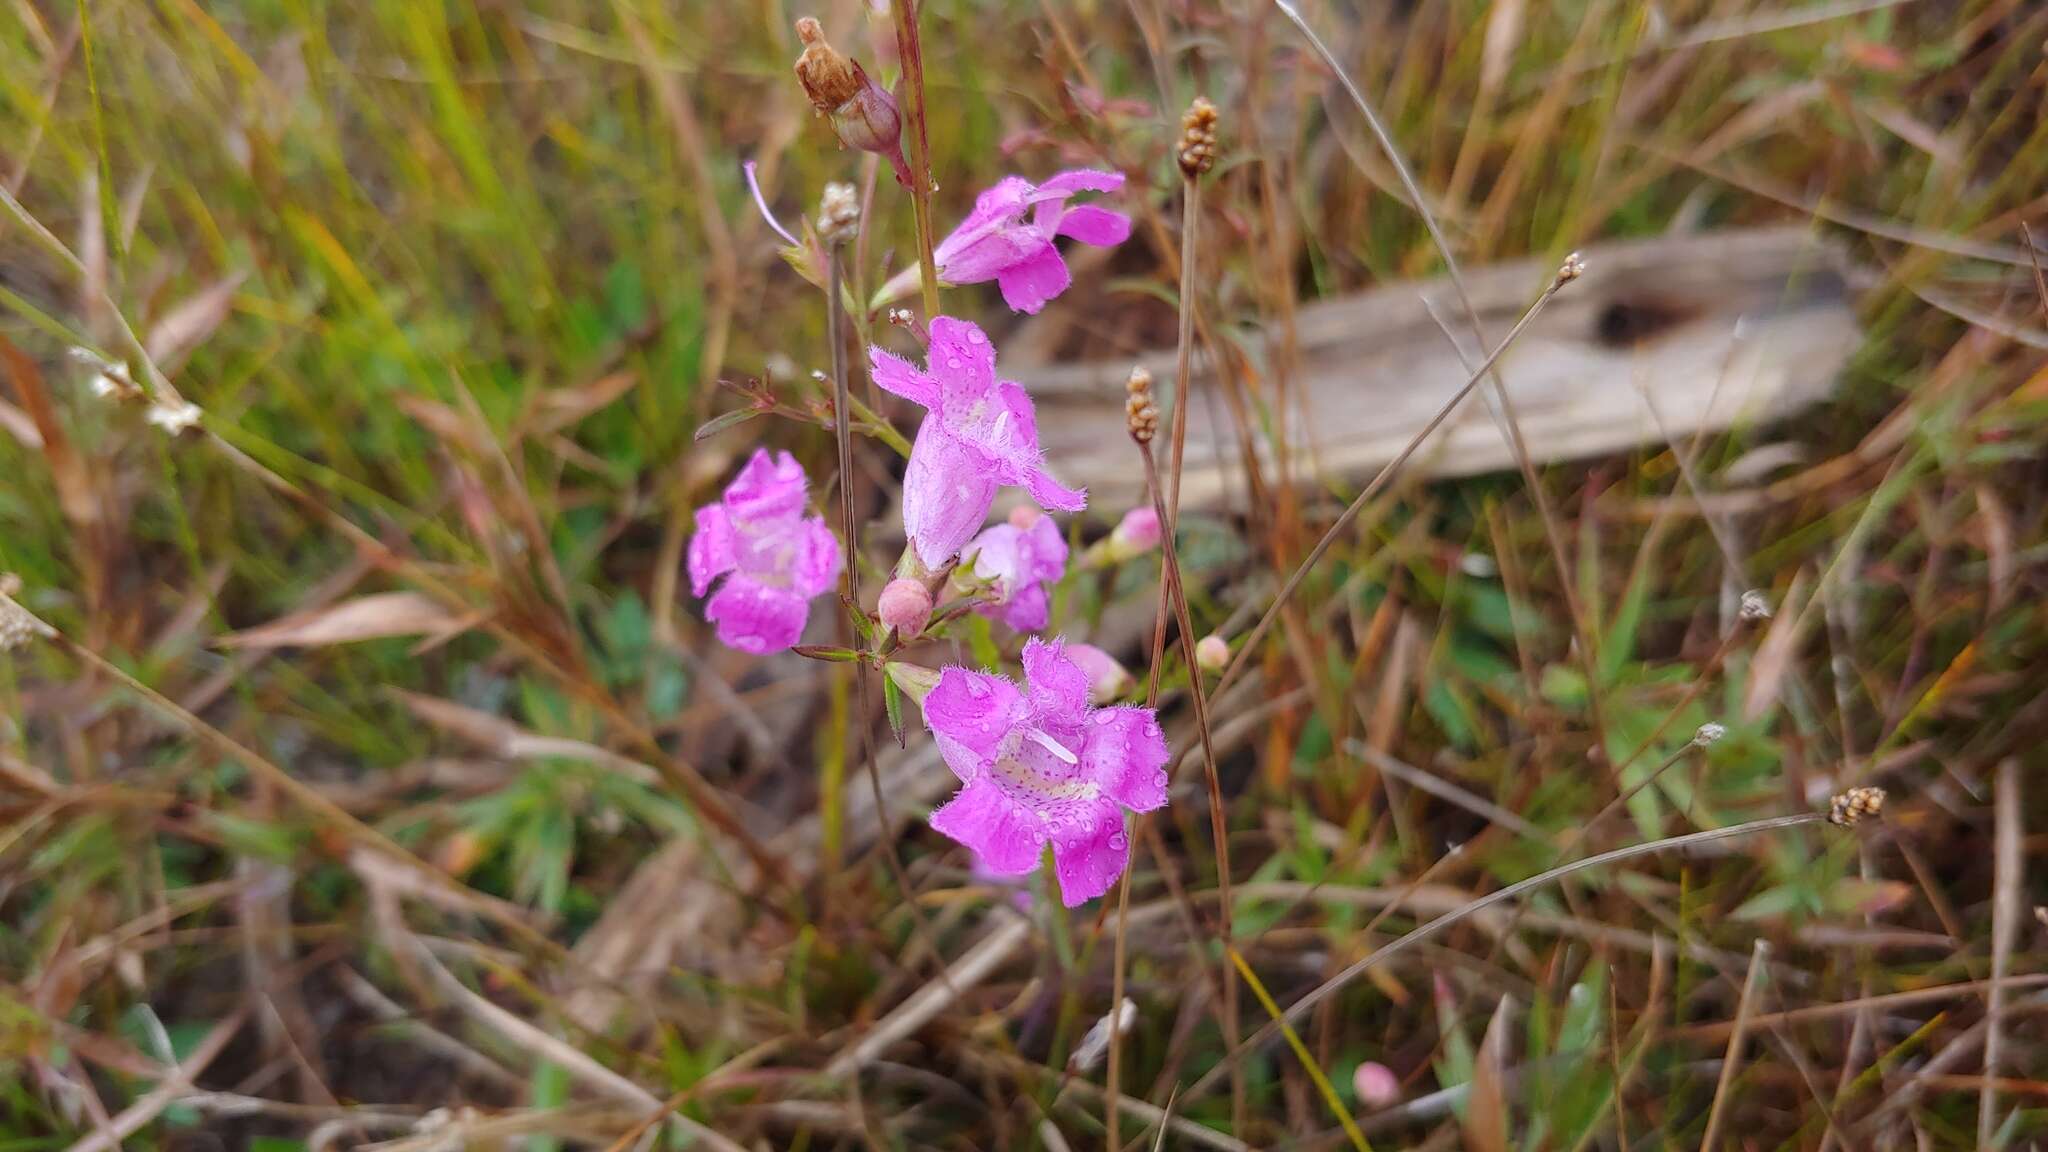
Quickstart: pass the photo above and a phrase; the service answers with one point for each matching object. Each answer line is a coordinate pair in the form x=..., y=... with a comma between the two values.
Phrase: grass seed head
x=1141, y=415
x=1849, y=808
x=1197, y=149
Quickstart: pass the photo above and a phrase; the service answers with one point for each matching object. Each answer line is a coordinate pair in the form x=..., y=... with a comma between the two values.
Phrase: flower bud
x=1376, y=1084
x=862, y=113
x=1023, y=516
x=1107, y=680
x=906, y=606
x=1212, y=653
x=1136, y=534
x=915, y=682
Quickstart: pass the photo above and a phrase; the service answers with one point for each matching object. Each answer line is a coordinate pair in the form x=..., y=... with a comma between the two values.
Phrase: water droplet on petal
x=1118, y=842
x=1105, y=718
x=953, y=362
x=974, y=336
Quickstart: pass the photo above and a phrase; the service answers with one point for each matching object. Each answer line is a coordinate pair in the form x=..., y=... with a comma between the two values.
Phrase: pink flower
x=997, y=243
x=1041, y=766
x=1019, y=562
x=773, y=558
x=1107, y=679
x=980, y=432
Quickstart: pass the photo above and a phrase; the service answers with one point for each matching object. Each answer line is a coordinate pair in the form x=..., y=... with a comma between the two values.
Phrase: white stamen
x=1051, y=745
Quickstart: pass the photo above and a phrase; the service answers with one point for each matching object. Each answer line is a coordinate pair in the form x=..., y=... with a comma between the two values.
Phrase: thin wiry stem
x=1379, y=955
x=911, y=52
x=1373, y=489
x=1219, y=828
x=835, y=332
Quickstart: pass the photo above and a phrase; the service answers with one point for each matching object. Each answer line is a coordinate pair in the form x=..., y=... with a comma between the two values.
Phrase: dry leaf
x=365, y=618
x=561, y=407
x=186, y=326
x=1486, y=1109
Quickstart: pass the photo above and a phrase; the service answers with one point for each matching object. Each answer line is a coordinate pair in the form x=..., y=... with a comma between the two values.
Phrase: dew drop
x=1118, y=842
x=1105, y=718
x=953, y=362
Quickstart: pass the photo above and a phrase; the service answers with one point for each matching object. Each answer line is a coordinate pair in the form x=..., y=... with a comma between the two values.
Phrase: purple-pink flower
x=979, y=433
x=997, y=243
x=1041, y=766
x=1019, y=563
x=774, y=558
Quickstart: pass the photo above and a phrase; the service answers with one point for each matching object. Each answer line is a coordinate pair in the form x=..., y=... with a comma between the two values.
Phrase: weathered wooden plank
x=1660, y=339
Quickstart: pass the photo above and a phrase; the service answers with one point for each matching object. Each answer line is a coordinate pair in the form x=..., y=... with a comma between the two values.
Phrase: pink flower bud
x=1376, y=1084
x=905, y=605
x=1025, y=515
x=1137, y=533
x=1212, y=653
x=1107, y=679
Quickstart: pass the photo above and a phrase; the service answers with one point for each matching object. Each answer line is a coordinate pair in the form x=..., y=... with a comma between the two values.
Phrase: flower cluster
x=1051, y=765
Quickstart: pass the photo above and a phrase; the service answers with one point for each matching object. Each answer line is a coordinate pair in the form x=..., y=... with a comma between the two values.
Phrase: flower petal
x=1027, y=610
x=1030, y=283
x=963, y=362
x=1004, y=835
x=768, y=488
x=755, y=618
x=1045, y=551
x=1094, y=225
x=901, y=377
x=992, y=237
x=1125, y=754
x=1088, y=862
x=969, y=713
x=999, y=556
x=1079, y=180
x=1053, y=495
x=817, y=558
x=712, y=549
x=947, y=490
x=1056, y=686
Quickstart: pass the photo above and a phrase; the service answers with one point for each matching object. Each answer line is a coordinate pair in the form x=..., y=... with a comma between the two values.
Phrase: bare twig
x=928, y=1001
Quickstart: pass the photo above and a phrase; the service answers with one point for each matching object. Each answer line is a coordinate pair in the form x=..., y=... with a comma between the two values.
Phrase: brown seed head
x=1852, y=806
x=1141, y=415
x=1572, y=268
x=1197, y=151
x=863, y=114
x=829, y=78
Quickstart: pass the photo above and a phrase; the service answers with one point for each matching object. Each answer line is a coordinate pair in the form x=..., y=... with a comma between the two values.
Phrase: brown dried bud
x=1852, y=806
x=1141, y=415
x=1197, y=151
x=1572, y=268
x=863, y=114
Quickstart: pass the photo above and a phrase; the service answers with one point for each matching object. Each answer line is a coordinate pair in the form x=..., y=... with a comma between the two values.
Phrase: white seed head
x=175, y=417
x=1708, y=733
x=1754, y=606
x=18, y=625
x=838, y=214
x=1572, y=268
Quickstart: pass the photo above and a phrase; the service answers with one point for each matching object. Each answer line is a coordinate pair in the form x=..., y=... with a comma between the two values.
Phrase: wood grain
x=1661, y=338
